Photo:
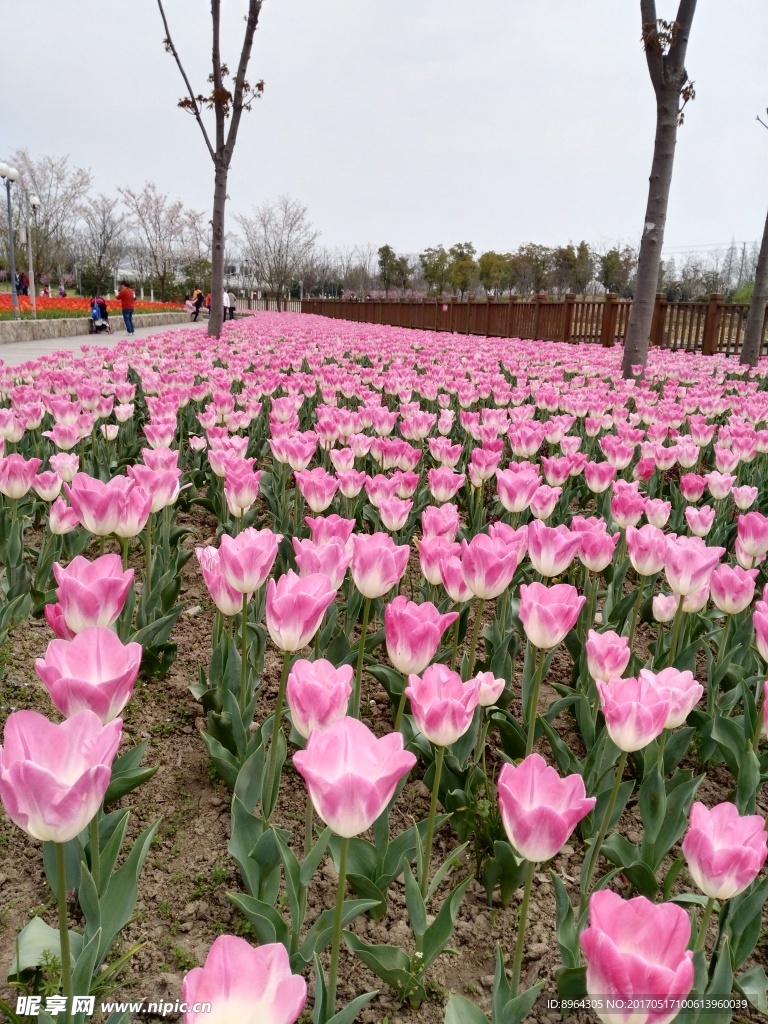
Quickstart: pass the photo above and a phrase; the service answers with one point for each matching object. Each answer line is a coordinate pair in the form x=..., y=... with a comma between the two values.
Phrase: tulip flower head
x=351, y=775
x=725, y=850
x=244, y=985
x=539, y=809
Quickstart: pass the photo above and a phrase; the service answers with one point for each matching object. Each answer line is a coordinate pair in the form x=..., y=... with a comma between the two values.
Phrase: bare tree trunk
x=216, y=315
x=649, y=259
x=665, y=49
x=753, y=334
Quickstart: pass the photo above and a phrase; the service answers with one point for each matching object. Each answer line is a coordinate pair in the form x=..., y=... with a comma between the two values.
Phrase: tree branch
x=676, y=56
x=216, y=60
x=252, y=20
x=195, y=107
x=653, y=56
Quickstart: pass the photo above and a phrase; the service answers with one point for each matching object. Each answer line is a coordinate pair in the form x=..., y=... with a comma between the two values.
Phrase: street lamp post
x=9, y=175
x=33, y=203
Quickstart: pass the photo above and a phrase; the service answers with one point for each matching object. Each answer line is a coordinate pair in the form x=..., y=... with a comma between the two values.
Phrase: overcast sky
x=410, y=122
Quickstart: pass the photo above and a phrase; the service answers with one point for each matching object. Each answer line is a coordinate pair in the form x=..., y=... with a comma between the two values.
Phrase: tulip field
x=355, y=673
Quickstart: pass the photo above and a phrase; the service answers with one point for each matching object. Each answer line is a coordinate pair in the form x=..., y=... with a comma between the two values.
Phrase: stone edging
x=70, y=327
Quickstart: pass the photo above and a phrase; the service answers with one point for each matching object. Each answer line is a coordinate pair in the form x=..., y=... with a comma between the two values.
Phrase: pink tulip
x=440, y=521
x=228, y=600
x=47, y=485
x=53, y=777
x=326, y=528
x=351, y=482
x=295, y=608
x=377, y=563
x=608, y=654
x=244, y=985
x=646, y=548
x=247, y=559
x=681, y=690
x=539, y=809
x=657, y=512
x=700, y=520
x=61, y=518
x=241, y=488
x=65, y=465
x=118, y=507
x=599, y=476
x=548, y=613
x=94, y=672
x=159, y=459
x=433, y=551
x=317, y=486
x=489, y=689
x=444, y=483
x=413, y=633
x=664, y=607
x=488, y=566
x=442, y=705
x=627, y=508
x=394, y=513
x=162, y=485
x=17, y=475
x=551, y=549
x=752, y=532
x=544, y=501
x=725, y=850
x=744, y=496
x=351, y=775
x=689, y=564
x=332, y=559
x=515, y=539
x=452, y=578
x=719, y=484
x=635, y=948
x=597, y=548
x=92, y=593
x=732, y=589
x=515, y=489
x=317, y=694
x=635, y=711
x=692, y=486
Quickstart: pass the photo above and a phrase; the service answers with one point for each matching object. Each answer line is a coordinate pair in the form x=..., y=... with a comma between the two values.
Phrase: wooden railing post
x=712, y=320
x=509, y=318
x=658, y=320
x=608, y=325
x=569, y=300
x=539, y=301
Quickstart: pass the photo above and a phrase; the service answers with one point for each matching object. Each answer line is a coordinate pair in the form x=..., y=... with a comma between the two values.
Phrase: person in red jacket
x=127, y=300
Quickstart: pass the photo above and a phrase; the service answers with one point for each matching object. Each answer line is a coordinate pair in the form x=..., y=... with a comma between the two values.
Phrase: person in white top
x=226, y=304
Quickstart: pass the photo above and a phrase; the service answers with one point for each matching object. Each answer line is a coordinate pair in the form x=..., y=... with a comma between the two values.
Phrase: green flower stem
x=95, y=851
x=336, y=941
x=662, y=744
x=724, y=639
x=530, y=868
x=244, y=655
x=148, y=554
x=759, y=723
x=455, y=644
x=594, y=853
x=701, y=938
x=636, y=612
x=122, y=541
x=593, y=587
x=401, y=706
x=66, y=956
x=308, y=822
x=676, y=630
x=475, y=634
x=439, y=757
x=360, y=660
x=276, y=724
x=533, y=707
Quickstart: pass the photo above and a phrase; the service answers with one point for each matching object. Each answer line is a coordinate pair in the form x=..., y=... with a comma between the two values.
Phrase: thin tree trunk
x=216, y=315
x=649, y=259
x=753, y=334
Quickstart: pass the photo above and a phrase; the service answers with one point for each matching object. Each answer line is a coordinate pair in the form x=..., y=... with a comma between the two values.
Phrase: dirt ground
x=183, y=889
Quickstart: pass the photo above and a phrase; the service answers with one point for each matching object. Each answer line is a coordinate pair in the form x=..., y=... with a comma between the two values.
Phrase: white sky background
x=408, y=122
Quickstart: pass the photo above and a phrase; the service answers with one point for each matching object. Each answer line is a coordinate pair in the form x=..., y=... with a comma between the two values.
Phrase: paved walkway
x=23, y=351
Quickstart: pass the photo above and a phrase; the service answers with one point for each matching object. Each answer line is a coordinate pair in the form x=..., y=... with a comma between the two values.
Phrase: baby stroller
x=99, y=322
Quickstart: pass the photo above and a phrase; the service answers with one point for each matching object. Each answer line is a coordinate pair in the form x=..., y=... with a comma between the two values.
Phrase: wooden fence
x=289, y=305
x=711, y=327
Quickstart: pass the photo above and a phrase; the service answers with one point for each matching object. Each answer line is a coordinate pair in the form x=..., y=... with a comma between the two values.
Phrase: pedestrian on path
x=127, y=301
